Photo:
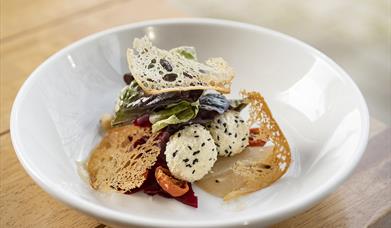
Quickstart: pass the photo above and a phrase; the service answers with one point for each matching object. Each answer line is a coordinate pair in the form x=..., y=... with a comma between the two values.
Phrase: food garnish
x=173, y=126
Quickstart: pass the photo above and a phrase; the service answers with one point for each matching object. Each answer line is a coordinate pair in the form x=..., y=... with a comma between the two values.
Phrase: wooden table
x=31, y=31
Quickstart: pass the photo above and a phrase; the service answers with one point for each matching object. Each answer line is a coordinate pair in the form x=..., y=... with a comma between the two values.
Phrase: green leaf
x=237, y=104
x=133, y=103
x=128, y=95
x=169, y=111
x=179, y=113
x=186, y=51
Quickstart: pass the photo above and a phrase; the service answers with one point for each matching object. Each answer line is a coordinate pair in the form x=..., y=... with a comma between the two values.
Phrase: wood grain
x=18, y=16
x=363, y=200
x=21, y=55
x=23, y=203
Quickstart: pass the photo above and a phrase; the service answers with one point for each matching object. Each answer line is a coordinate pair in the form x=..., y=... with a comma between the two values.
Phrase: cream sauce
x=221, y=180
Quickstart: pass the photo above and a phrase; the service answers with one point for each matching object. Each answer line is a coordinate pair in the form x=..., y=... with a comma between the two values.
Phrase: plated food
x=173, y=127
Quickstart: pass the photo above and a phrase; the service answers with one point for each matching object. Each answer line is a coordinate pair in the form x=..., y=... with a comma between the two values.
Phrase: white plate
x=54, y=122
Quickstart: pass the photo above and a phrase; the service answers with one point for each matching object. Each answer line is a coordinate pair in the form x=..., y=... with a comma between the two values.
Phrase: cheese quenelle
x=230, y=133
x=191, y=153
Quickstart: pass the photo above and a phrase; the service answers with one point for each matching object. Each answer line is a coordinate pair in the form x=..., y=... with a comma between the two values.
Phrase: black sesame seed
x=218, y=121
x=210, y=159
x=218, y=138
x=217, y=145
x=179, y=135
x=242, y=121
x=187, y=75
x=150, y=80
x=224, y=124
x=229, y=133
x=203, y=144
x=226, y=151
x=153, y=61
x=243, y=139
x=193, y=171
x=166, y=65
x=209, y=139
x=196, y=136
x=174, y=154
x=170, y=77
x=188, y=165
x=226, y=130
x=189, y=147
x=217, y=181
x=195, y=161
x=195, y=132
x=196, y=152
x=217, y=127
x=229, y=154
x=236, y=121
x=236, y=135
x=186, y=160
x=230, y=147
x=150, y=66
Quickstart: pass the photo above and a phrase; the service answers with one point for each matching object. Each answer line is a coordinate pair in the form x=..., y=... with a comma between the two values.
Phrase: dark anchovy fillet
x=214, y=102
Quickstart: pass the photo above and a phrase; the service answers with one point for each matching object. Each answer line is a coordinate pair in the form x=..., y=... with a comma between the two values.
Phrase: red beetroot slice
x=151, y=187
x=188, y=198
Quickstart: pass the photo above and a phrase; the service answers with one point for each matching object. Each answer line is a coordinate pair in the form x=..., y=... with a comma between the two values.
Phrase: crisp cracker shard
x=256, y=167
x=159, y=71
x=122, y=159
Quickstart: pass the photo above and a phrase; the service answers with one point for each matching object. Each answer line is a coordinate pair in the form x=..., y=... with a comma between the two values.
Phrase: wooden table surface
x=31, y=31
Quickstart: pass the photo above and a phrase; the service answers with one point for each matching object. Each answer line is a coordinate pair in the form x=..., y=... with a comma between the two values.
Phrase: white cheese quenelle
x=191, y=153
x=230, y=133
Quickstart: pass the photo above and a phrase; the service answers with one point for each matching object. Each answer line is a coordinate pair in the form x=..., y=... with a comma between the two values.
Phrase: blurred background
x=355, y=34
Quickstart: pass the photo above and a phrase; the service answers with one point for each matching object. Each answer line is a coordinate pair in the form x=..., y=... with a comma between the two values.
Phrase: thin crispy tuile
x=121, y=161
x=260, y=174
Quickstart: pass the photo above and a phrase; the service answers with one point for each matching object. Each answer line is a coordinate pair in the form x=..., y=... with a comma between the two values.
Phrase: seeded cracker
x=159, y=71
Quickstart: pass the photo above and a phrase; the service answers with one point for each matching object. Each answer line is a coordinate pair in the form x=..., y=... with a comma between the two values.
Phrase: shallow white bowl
x=54, y=122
